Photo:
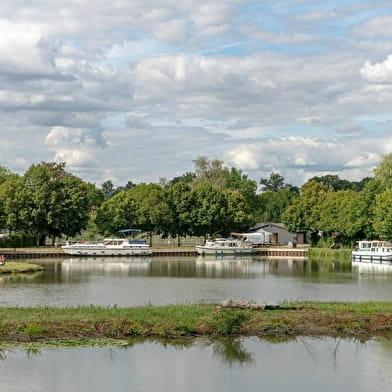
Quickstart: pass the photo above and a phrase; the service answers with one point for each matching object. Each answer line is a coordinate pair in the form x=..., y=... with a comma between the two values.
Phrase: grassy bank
x=12, y=267
x=337, y=254
x=91, y=323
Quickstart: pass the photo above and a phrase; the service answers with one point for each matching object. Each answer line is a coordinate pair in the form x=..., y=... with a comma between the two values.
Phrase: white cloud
x=114, y=86
x=376, y=27
x=379, y=72
x=298, y=158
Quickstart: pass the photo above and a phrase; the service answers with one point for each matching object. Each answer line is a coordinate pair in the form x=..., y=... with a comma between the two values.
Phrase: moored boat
x=223, y=246
x=110, y=247
x=373, y=252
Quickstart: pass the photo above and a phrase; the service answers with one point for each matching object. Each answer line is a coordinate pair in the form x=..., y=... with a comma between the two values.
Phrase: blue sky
x=132, y=90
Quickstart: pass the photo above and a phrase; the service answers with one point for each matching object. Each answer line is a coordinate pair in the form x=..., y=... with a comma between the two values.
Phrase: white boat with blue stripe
x=373, y=252
x=224, y=246
x=110, y=247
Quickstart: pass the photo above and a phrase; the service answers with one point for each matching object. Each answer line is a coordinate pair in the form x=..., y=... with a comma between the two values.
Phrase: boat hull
x=204, y=250
x=371, y=257
x=105, y=251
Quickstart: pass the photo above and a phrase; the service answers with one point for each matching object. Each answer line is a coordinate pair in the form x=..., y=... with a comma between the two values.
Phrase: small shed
x=279, y=235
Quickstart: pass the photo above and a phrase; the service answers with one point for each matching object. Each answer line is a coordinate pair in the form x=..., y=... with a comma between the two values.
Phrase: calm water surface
x=161, y=281
x=247, y=364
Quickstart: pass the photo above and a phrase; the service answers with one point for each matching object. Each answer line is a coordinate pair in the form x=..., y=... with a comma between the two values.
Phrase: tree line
x=47, y=201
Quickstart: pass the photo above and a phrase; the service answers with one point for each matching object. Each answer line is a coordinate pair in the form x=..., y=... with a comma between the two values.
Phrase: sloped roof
x=261, y=225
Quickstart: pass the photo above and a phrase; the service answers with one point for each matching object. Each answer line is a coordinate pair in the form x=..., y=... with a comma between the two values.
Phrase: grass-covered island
x=75, y=326
x=12, y=267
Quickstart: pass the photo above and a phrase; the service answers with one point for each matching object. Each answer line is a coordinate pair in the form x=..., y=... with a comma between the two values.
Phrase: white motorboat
x=110, y=247
x=223, y=246
x=373, y=252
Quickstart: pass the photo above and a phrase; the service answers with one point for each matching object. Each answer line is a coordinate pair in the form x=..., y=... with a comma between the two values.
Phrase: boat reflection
x=371, y=268
x=216, y=266
x=106, y=265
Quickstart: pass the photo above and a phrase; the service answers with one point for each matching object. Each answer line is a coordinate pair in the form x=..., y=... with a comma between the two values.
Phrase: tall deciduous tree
x=238, y=213
x=152, y=209
x=238, y=181
x=274, y=204
x=180, y=201
x=383, y=215
x=273, y=183
x=210, y=172
x=58, y=201
x=304, y=213
x=209, y=210
x=383, y=172
x=117, y=213
x=13, y=204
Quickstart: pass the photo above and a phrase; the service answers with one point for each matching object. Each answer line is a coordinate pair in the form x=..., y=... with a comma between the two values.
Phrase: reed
x=336, y=254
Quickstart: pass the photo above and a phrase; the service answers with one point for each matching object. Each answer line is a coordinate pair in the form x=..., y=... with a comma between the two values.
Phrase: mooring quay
x=57, y=253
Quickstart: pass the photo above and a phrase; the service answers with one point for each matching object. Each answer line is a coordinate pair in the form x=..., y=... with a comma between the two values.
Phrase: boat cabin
x=375, y=246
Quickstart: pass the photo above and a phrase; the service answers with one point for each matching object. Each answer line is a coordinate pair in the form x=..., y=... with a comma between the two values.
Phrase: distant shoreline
x=47, y=252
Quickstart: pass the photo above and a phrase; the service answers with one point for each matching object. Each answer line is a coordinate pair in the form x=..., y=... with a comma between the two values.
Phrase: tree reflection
x=232, y=351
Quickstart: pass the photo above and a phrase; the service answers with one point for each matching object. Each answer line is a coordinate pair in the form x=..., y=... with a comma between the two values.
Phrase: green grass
x=12, y=267
x=336, y=254
x=26, y=325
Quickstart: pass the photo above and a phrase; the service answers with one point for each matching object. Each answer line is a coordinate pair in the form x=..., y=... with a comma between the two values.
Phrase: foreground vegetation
x=92, y=324
x=339, y=254
x=12, y=267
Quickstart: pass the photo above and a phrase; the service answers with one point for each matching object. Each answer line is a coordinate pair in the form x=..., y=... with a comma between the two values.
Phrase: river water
x=162, y=281
x=246, y=364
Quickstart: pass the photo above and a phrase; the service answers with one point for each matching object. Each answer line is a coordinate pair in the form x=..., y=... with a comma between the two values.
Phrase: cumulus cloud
x=300, y=158
x=154, y=84
x=379, y=72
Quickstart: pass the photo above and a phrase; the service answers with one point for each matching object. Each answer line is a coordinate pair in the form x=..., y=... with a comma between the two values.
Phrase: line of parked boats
x=244, y=244
x=239, y=244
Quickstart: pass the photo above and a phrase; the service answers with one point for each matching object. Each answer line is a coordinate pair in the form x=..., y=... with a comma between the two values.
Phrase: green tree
x=5, y=174
x=108, y=189
x=334, y=212
x=57, y=201
x=383, y=215
x=383, y=172
x=187, y=178
x=238, y=213
x=238, y=181
x=304, y=213
x=209, y=210
x=274, y=204
x=13, y=204
x=273, y=183
x=152, y=209
x=116, y=213
x=210, y=172
x=180, y=202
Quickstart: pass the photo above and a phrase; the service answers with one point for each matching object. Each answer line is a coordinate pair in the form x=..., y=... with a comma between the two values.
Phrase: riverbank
x=53, y=252
x=71, y=326
x=12, y=267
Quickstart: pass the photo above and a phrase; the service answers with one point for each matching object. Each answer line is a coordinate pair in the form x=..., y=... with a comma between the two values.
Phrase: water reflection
x=171, y=280
x=246, y=364
x=138, y=266
x=371, y=268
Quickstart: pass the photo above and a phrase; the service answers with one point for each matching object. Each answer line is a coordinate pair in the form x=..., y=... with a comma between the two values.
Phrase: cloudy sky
x=135, y=90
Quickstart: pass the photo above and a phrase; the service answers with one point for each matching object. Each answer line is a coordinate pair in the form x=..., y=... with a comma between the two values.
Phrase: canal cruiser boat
x=373, y=252
x=110, y=247
x=223, y=246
